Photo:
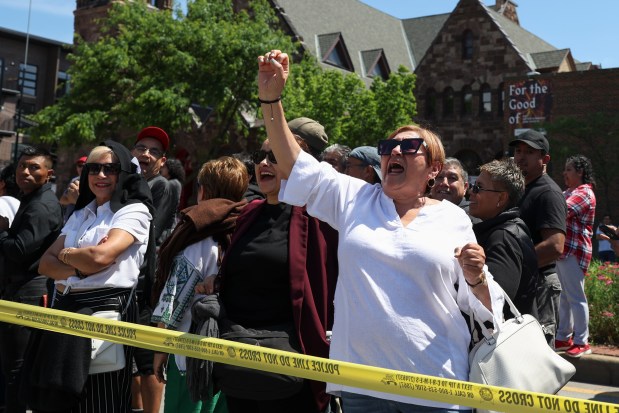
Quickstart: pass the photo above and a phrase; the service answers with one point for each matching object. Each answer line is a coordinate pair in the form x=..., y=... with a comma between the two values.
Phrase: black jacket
x=36, y=226
x=510, y=256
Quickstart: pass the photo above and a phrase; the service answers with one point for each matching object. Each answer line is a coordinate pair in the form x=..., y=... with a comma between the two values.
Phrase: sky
x=588, y=28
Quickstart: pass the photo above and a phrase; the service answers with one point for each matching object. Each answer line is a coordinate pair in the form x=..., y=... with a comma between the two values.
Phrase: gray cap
x=311, y=132
x=534, y=139
x=368, y=155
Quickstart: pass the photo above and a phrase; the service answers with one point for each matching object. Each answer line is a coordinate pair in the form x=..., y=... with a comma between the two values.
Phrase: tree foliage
x=149, y=67
x=597, y=137
x=351, y=113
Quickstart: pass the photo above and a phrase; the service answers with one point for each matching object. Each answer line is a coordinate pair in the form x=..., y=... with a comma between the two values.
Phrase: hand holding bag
x=517, y=356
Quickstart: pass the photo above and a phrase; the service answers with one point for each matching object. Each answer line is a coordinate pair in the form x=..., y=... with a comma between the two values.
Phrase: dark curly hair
x=8, y=177
x=175, y=169
x=582, y=164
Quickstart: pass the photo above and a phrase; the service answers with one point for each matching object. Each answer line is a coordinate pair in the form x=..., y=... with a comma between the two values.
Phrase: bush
x=602, y=290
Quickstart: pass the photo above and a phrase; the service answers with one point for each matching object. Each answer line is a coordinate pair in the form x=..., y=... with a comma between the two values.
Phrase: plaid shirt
x=580, y=215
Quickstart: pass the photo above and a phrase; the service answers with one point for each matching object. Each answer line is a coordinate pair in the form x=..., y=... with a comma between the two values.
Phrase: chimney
x=507, y=8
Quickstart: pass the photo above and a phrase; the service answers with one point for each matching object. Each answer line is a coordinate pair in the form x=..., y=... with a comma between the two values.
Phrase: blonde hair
x=225, y=177
x=435, y=152
x=98, y=152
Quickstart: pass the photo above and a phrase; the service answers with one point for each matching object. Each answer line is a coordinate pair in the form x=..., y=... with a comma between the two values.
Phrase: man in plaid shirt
x=573, y=331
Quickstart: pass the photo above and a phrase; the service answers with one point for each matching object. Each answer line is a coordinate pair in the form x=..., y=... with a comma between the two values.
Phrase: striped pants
x=107, y=392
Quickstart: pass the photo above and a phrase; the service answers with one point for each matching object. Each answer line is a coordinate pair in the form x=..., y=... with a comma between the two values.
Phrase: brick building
x=43, y=79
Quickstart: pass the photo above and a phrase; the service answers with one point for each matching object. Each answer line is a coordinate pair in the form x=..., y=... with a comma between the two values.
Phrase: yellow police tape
x=309, y=367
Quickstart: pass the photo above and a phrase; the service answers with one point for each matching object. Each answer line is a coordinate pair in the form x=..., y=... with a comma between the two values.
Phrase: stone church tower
x=88, y=12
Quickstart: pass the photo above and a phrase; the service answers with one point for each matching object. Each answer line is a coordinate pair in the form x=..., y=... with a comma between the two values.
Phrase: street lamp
x=22, y=76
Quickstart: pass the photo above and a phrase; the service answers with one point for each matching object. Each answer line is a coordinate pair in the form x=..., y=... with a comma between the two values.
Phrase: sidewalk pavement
x=596, y=368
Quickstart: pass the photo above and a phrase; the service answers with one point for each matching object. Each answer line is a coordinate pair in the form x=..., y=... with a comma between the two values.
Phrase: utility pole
x=22, y=76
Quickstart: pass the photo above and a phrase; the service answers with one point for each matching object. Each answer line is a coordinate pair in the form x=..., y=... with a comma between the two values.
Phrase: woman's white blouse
x=89, y=225
x=396, y=304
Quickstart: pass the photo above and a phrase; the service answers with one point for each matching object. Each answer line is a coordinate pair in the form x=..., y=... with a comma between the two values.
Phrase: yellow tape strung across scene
x=309, y=367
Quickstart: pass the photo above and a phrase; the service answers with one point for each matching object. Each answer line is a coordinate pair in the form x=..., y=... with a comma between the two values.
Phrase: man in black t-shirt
x=544, y=210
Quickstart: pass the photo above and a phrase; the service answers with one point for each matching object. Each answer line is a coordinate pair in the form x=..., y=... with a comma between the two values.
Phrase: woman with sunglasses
x=402, y=255
x=95, y=264
x=510, y=253
x=279, y=270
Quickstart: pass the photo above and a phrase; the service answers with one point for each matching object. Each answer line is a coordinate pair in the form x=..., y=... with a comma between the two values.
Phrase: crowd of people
x=372, y=255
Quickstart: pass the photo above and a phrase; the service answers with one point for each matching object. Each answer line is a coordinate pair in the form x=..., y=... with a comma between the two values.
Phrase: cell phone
x=608, y=231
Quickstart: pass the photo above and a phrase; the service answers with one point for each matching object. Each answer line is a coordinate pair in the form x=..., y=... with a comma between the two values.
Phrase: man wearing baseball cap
x=544, y=211
x=150, y=150
x=312, y=132
x=364, y=163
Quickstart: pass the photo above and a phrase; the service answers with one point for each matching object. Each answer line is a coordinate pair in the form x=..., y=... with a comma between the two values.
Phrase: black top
x=543, y=207
x=510, y=256
x=257, y=275
x=36, y=226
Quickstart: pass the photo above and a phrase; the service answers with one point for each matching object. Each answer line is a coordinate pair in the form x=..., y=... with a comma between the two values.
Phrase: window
x=334, y=52
x=28, y=79
x=467, y=45
x=501, y=102
x=467, y=101
x=1, y=73
x=430, y=108
x=62, y=84
x=448, y=102
x=485, y=100
x=375, y=63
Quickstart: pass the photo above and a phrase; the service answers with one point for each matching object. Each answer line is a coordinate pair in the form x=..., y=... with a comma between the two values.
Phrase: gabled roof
x=421, y=31
x=550, y=59
x=525, y=41
x=362, y=28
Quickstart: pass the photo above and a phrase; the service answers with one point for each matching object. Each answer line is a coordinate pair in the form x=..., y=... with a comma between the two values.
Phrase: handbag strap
x=517, y=315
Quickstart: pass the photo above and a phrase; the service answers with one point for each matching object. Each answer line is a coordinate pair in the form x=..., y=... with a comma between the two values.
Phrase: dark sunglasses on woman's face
x=475, y=189
x=408, y=146
x=259, y=156
x=108, y=168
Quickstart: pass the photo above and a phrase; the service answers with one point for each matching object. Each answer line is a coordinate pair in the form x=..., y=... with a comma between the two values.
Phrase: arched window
x=448, y=102
x=430, y=104
x=485, y=100
x=467, y=101
x=467, y=45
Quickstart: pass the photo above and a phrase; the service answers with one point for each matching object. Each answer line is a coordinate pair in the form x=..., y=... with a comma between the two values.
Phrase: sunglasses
x=108, y=168
x=475, y=189
x=259, y=156
x=409, y=146
x=142, y=149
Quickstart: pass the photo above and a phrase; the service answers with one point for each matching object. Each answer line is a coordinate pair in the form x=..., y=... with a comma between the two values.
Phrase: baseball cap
x=82, y=159
x=534, y=139
x=368, y=155
x=155, y=133
x=311, y=132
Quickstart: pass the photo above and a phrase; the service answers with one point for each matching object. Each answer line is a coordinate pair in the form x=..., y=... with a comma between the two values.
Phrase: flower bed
x=602, y=289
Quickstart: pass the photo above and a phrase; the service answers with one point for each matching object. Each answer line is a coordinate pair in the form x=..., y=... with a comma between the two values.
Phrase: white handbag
x=106, y=356
x=517, y=356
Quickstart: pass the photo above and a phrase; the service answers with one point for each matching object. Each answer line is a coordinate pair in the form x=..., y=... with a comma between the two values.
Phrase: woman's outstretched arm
x=273, y=71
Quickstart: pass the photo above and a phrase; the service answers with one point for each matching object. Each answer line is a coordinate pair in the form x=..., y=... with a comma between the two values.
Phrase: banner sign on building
x=529, y=102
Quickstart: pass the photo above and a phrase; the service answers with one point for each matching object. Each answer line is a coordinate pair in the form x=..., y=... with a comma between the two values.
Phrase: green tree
x=351, y=113
x=596, y=136
x=149, y=67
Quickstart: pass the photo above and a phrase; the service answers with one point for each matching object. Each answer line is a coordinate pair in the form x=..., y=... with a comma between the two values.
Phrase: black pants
x=13, y=342
x=107, y=392
x=302, y=402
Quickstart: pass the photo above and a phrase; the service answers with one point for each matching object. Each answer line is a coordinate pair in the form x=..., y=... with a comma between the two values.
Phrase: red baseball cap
x=83, y=159
x=155, y=133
